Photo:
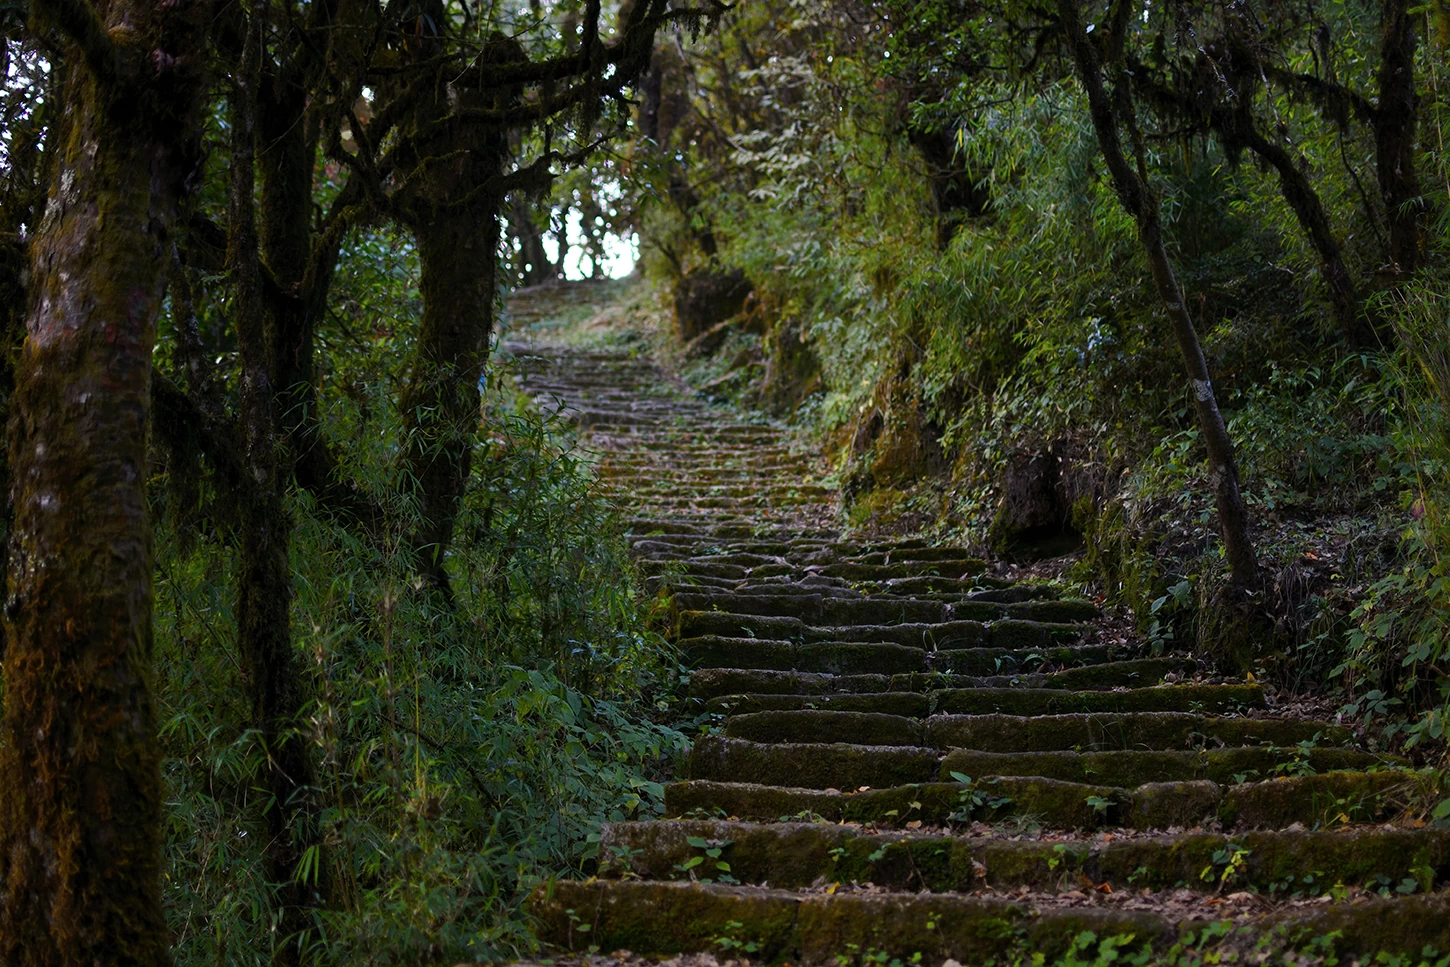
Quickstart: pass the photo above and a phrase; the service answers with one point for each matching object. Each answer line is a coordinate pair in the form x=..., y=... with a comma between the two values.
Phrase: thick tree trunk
x=457, y=252
x=1394, y=136
x=1140, y=202
x=80, y=785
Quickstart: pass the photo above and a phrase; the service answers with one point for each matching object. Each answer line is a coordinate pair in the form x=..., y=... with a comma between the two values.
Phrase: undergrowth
x=464, y=751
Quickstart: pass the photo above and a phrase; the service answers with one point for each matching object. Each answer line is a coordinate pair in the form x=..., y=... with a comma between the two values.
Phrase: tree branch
x=79, y=22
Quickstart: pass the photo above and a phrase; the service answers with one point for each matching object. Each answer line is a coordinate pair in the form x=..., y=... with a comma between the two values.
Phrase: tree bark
x=80, y=800
x=1394, y=136
x=457, y=253
x=534, y=267
x=1139, y=201
x=264, y=584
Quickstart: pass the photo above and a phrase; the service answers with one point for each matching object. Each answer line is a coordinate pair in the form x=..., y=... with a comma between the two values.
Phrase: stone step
x=1130, y=730
x=1160, y=731
x=1019, y=702
x=840, y=765
x=1134, y=767
x=665, y=918
x=910, y=704
x=837, y=658
x=1007, y=634
x=1328, y=800
x=1211, y=699
x=793, y=855
x=749, y=675
x=782, y=667
x=1098, y=676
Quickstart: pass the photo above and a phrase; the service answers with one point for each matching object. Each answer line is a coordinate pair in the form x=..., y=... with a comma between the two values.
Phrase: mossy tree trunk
x=264, y=583
x=457, y=255
x=80, y=785
x=1394, y=136
x=1138, y=199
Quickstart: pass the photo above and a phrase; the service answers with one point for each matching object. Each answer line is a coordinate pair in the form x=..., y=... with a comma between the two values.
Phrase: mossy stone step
x=1048, y=802
x=853, y=571
x=1008, y=635
x=1154, y=731
x=1130, y=730
x=908, y=704
x=796, y=854
x=660, y=919
x=1052, y=701
x=1137, y=672
x=840, y=658
x=817, y=725
x=815, y=609
x=813, y=766
x=1007, y=661
x=845, y=766
x=665, y=918
x=1135, y=767
x=710, y=682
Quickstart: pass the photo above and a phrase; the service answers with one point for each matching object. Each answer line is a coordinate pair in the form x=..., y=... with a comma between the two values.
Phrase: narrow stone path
x=917, y=756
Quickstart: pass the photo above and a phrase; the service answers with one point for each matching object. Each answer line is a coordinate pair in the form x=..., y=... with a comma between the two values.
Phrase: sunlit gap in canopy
x=615, y=251
x=617, y=259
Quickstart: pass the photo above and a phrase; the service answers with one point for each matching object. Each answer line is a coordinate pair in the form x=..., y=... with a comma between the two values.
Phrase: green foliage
x=464, y=752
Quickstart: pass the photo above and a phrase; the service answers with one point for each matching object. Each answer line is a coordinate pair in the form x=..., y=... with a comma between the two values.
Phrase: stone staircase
x=917, y=756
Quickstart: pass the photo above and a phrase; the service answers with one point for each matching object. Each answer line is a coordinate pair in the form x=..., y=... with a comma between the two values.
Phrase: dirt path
x=917, y=756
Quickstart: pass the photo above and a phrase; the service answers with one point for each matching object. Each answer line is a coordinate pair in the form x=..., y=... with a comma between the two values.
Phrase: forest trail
x=918, y=756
